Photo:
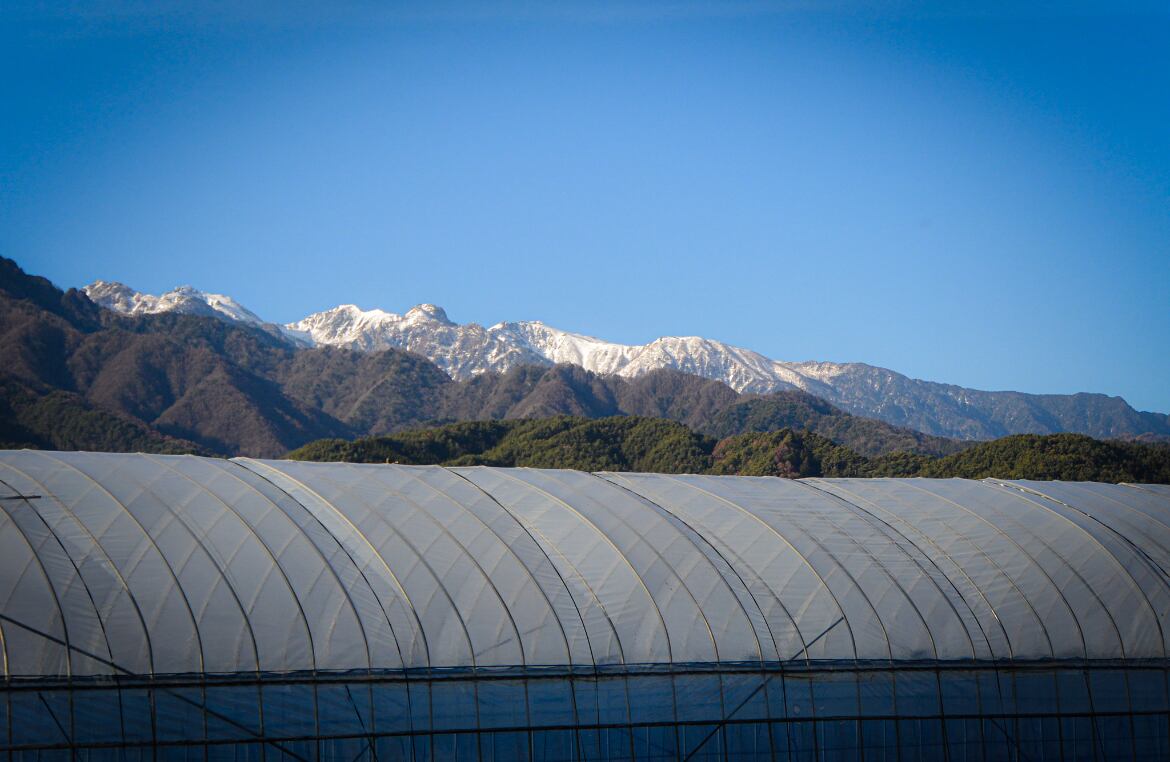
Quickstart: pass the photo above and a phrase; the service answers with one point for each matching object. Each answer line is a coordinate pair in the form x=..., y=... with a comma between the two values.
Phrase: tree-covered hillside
x=1058, y=456
x=620, y=443
x=629, y=443
x=804, y=412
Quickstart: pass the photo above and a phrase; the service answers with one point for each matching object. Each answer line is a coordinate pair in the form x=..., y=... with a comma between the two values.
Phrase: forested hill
x=630, y=443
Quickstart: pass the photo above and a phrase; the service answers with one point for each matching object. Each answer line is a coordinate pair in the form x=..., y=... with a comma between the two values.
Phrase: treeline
x=631, y=443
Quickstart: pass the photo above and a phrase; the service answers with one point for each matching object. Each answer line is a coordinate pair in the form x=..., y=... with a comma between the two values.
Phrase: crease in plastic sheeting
x=873, y=577
x=1044, y=574
x=1143, y=529
x=700, y=563
x=222, y=581
x=1051, y=514
x=464, y=552
x=790, y=534
x=1130, y=645
x=275, y=553
x=656, y=487
x=155, y=625
x=356, y=544
x=939, y=557
x=562, y=586
x=992, y=573
x=527, y=580
x=438, y=555
x=512, y=550
x=85, y=547
x=435, y=650
x=840, y=597
x=623, y=614
x=349, y=639
x=913, y=551
x=604, y=648
x=1140, y=535
x=375, y=624
x=1093, y=618
x=491, y=634
x=609, y=541
x=331, y=649
x=273, y=654
x=1162, y=490
x=759, y=623
x=14, y=656
x=899, y=554
x=704, y=565
x=910, y=649
x=88, y=568
x=637, y=541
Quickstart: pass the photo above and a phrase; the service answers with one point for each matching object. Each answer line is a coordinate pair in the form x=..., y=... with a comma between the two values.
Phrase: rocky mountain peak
x=428, y=312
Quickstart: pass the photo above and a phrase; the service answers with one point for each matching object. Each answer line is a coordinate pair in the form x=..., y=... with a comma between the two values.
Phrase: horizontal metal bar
x=811, y=670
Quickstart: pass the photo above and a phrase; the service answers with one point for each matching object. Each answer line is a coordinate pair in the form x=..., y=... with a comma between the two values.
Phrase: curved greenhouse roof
x=143, y=564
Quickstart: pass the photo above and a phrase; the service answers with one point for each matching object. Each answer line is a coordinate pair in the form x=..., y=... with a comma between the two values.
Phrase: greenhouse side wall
x=909, y=712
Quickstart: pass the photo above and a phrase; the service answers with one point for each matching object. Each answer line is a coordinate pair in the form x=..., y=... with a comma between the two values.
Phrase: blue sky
x=965, y=193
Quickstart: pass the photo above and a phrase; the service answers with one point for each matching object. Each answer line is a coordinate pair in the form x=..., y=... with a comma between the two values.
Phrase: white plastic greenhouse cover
x=145, y=564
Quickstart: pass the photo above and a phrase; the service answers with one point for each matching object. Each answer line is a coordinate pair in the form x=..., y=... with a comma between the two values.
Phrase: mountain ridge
x=76, y=376
x=465, y=351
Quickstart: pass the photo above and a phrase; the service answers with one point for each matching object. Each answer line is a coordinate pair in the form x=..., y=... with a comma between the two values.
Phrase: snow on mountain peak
x=428, y=312
x=466, y=350
x=112, y=295
x=186, y=300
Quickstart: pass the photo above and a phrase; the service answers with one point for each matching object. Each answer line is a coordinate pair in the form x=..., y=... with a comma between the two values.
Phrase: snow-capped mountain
x=467, y=350
x=186, y=300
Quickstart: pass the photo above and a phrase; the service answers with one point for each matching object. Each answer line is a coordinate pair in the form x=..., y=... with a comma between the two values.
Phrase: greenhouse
x=184, y=607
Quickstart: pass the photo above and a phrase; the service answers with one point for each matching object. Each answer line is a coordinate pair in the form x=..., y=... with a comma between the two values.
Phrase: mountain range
x=465, y=352
x=76, y=376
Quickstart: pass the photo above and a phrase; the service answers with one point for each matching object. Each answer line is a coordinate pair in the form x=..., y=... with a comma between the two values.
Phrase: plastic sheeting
x=116, y=564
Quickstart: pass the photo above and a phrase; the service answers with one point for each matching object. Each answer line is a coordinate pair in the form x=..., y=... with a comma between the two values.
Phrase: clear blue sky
x=966, y=195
